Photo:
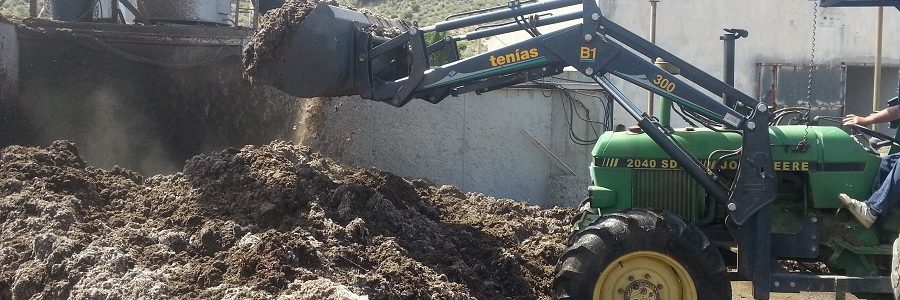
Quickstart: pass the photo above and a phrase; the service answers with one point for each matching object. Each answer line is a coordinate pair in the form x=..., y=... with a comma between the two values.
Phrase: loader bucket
x=316, y=57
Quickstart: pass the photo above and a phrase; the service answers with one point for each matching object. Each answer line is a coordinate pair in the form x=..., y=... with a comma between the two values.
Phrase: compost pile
x=276, y=221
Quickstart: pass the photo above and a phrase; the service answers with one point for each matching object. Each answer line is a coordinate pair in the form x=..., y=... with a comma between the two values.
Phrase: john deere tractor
x=648, y=226
x=672, y=213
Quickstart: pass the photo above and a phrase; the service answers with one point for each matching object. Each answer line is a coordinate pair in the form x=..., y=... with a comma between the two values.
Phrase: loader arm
x=596, y=48
x=860, y=3
x=396, y=71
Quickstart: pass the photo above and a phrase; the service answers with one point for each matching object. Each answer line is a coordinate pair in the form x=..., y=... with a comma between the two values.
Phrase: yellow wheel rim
x=645, y=275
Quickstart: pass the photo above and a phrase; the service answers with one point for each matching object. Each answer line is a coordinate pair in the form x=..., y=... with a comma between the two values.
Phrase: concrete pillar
x=9, y=61
x=32, y=8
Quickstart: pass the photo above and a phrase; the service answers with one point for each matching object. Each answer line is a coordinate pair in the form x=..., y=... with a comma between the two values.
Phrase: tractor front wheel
x=641, y=254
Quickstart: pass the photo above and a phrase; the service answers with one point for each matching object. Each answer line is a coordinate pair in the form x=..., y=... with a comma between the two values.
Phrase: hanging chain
x=804, y=143
x=812, y=56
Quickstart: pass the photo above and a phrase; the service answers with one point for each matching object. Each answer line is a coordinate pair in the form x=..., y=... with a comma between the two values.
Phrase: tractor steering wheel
x=869, y=146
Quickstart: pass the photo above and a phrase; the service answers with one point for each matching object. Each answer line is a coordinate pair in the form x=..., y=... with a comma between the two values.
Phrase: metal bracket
x=792, y=283
x=591, y=15
x=448, y=46
x=389, y=45
x=754, y=240
x=803, y=244
x=417, y=69
x=756, y=183
x=363, y=77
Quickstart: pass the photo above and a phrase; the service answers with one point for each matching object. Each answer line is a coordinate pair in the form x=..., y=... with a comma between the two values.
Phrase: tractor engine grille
x=671, y=190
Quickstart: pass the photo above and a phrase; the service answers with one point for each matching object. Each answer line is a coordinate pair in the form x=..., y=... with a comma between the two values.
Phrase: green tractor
x=680, y=249
x=650, y=230
x=672, y=214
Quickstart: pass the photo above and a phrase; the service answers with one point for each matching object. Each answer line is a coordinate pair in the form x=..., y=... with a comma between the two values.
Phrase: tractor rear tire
x=639, y=252
x=895, y=269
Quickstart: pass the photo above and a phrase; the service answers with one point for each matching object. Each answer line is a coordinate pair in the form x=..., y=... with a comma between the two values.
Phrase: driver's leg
x=887, y=164
x=888, y=192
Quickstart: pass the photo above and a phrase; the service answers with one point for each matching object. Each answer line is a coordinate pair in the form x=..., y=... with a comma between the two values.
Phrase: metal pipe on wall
x=9, y=61
x=255, y=14
x=236, y=17
x=729, y=39
x=879, y=31
x=653, y=6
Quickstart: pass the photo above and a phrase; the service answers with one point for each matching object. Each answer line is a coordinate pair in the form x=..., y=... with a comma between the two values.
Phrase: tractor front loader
x=670, y=211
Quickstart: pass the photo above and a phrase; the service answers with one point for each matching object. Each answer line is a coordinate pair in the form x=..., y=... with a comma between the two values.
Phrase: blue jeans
x=886, y=182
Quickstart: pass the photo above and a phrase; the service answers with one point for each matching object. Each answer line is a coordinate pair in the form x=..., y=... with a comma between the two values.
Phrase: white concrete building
x=781, y=33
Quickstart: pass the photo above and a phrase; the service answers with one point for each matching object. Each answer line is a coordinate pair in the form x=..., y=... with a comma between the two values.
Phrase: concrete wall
x=859, y=86
x=481, y=143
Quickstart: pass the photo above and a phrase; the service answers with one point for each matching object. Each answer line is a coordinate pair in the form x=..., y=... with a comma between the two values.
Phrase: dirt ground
x=275, y=221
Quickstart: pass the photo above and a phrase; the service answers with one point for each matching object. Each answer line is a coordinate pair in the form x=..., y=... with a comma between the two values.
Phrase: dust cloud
x=149, y=115
x=104, y=122
x=311, y=122
x=120, y=134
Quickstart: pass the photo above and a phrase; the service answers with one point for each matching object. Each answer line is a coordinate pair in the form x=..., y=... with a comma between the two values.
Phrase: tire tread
x=635, y=230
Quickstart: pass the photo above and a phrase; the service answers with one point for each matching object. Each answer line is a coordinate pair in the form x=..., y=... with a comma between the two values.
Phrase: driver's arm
x=886, y=115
